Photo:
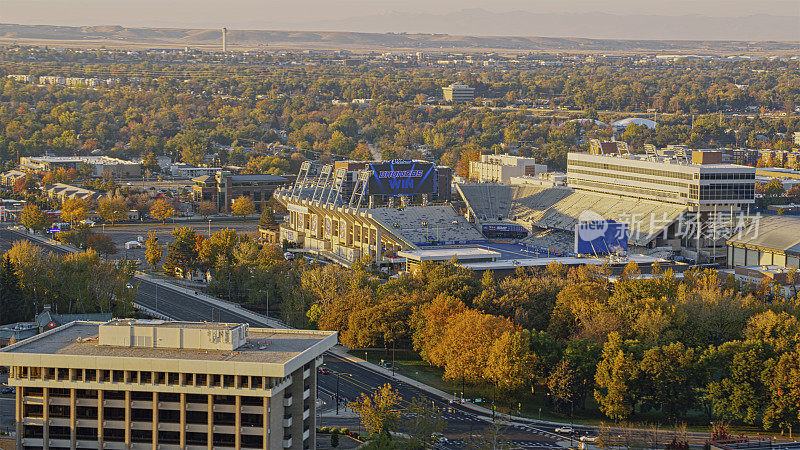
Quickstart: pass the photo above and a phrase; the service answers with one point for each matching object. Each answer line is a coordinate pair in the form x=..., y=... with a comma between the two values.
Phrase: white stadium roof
x=651, y=124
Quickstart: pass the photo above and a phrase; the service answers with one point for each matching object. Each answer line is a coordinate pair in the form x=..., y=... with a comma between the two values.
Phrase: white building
x=501, y=168
x=458, y=93
x=145, y=384
x=703, y=184
x=22, y=78
x=101, y=165
x=52, y=80
x=187, y=171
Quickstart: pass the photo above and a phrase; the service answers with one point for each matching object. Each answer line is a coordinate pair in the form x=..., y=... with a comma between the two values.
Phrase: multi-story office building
x=705, y=184
x=501, y=168
x=224, y=187
x=136, y=384
x=458, y=93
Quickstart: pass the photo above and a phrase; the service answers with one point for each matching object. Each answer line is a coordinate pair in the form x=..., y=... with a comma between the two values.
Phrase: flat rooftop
x=172, y=324
x=77, y=343
x=445, y=254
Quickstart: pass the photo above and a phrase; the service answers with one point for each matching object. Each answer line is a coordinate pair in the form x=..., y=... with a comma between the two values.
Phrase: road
x=353, y=379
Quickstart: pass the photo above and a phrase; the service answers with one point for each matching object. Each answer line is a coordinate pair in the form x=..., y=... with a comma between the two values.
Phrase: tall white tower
x=225, y=40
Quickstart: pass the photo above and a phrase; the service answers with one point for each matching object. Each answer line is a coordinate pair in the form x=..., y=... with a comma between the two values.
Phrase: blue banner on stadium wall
x=601, y=236
x=401, y=178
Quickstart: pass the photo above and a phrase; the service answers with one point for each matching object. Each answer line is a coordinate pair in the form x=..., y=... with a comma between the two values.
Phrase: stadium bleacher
x=561, y=208
x=420, y=224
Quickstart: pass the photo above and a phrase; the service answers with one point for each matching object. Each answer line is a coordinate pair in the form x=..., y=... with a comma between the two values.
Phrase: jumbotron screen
x=401, y=178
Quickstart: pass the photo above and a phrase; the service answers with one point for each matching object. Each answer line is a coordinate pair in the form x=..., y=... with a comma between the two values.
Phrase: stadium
x=349, y=211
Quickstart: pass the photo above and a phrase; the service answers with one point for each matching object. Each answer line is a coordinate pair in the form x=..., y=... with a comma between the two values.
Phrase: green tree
x=182, y=252
x=670, y=378
x=740, y=392
x=13, y=307
x=193, y=146
x=267, y=219
x=783, y=410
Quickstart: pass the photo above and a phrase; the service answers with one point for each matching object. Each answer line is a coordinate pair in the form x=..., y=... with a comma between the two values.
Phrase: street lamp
x=209, y=227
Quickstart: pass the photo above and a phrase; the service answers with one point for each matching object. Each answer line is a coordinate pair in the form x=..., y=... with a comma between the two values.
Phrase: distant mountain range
x=113, y=36
x=598, y=25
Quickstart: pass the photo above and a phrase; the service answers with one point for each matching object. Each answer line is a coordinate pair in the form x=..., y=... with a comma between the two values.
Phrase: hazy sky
x=283, y=14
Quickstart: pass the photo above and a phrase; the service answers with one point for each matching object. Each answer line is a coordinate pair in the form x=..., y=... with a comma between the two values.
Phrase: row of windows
x=631, y=169
x=728, y=176
x=616, y=188
x=637, y=179
x=143, y=377
x=727, y=192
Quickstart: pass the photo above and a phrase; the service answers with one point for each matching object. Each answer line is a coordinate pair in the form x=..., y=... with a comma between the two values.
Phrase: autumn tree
x=153, y=250
x=112, y=209
x=206, y=209
x=243, y=206
x=510, y=363
x=378, y=411
x=34, y=218
x=616, y=376
x=74, y=209
x=162, y=209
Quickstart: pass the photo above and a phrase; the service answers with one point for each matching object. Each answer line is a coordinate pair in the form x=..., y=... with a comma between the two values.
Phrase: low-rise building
x=774, y=242
x=9, y=178
x=63, y=191
x=143, y=384
x=501, y=168
x=778, y=277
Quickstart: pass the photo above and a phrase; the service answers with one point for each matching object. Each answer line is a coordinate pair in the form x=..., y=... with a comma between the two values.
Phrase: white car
x=568, y=430
x=589, y=439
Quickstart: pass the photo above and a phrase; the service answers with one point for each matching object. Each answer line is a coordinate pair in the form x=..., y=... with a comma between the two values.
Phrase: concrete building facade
x=458, y=93
x=701, y=185
x=148, y=384
x=224, y=187
x=501, y=168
